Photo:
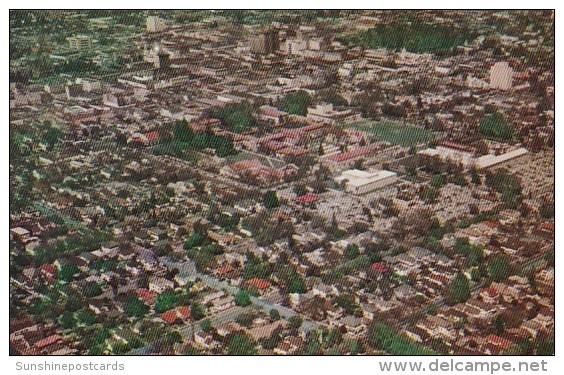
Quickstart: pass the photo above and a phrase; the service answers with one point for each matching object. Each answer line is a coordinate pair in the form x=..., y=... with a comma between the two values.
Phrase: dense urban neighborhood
x=281, y=182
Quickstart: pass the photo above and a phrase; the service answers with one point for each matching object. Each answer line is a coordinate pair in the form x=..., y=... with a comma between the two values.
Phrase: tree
x=546, y=210
x=347, y=302
x=182, y=131
x=196, y=239
x=507, y=184
x=382, y=337
x=499, y=267
x=92, y=289
x=270, y=199
x=241, y=344
x=166, y=301
x=239, y=117
x=274, y=315
x=242, y=298
x=351, y=251
x=68, y=272
x=354, y=347
x=67, y=320
x=458, y=290
x=295, y=321
x=296, y=103
x=134, y=307
x=294, y=282
x=495, y=125
x=198, y=311
x=332, y=338
x=206, y=325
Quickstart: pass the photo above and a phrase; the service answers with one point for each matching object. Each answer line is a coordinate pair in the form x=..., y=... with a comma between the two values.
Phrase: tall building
x=80, y=42
x=501, y=76
x=155, y=24
x=265, y=43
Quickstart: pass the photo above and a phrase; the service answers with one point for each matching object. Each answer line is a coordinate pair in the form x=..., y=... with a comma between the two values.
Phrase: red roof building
x=41, y=344
x=258, y=283
x=379, y=267
x=308, y=198
x=224, y=270
x=147, y=296
x=181, y=313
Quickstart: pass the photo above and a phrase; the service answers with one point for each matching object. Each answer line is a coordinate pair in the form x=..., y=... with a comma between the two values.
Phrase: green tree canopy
x=241, y=344
x=134, y=307
x=296, y=103
x=458, y=290
x=242, y=298
x=68, y=272
x=270, y=199
x=495, y=125
x=499, y=267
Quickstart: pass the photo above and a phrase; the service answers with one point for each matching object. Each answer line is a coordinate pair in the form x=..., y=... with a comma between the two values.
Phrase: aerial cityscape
x=281, y=182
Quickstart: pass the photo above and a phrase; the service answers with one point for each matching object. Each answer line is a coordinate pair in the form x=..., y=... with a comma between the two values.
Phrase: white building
x=326, y=113
x=155, y=24
x=501, y=76
x=363, y=182
x=463, y=157
x=80, y=42
x=491, y=161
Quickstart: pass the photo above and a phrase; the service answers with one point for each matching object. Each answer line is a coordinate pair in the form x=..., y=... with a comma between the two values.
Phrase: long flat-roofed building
x=363, y=182
x=491, y=161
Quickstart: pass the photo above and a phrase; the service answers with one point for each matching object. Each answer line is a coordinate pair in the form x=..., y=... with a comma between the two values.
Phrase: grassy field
x=395, y=132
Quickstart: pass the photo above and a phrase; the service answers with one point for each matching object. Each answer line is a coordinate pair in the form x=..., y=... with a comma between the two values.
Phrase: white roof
x=490, y=160
x=357, y=177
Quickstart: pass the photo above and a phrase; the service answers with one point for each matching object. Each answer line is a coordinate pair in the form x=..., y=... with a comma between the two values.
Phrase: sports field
x=395, y=132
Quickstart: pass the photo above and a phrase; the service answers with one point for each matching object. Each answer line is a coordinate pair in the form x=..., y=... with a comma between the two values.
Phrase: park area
x=395, y=132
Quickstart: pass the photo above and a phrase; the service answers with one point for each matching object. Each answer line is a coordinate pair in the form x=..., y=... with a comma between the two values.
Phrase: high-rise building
x=155, y=24
x=80, y=42
x=501, y=76
x=265, y=43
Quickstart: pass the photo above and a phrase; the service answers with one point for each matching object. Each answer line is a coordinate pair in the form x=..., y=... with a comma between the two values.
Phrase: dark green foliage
x=473, y=253
x=37, y=307
x=351, y=251
x=86, y=317
x=93, y=289
x=382, y=337
x=296, y=103
x=256, y=268
x=293, y=281
x=242, y=298
x=182, y=131
x=52, y=136
x=499, y=267
x=437, y=180
x=69, y=246
x=166, y=301
x=196, y=239
x=198, y=311
x=270, y=199
x=495, y=125
x=458, y=290
x=295, y=321
x=415, y=36
x=134, y=307
x=274, y=315
x=68, y=272
x=239, y=117
x=347, y=303
x=241, y=344
x=206, y=325
x=67, y=320
x=546, y=210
